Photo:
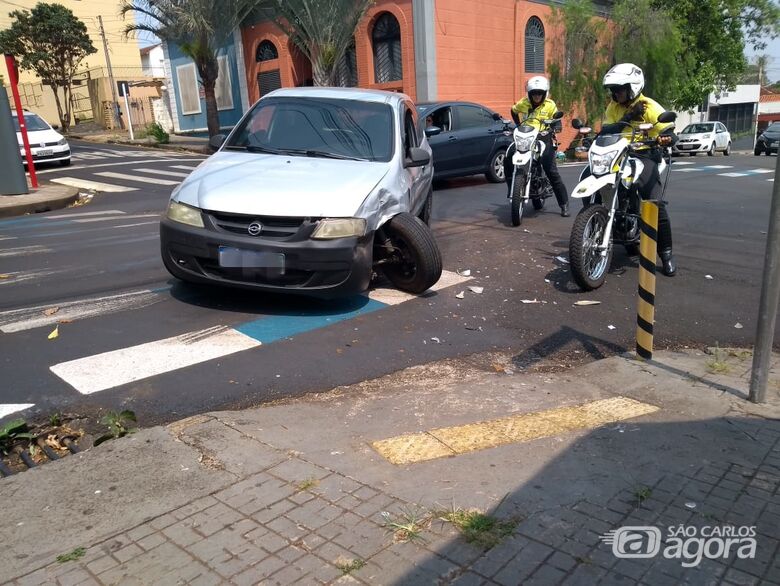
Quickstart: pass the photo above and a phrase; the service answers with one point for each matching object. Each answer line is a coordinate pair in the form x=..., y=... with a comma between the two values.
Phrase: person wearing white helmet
x=535, y=108
x=625, y=83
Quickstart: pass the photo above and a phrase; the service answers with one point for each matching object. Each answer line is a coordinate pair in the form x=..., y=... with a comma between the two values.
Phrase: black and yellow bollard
x=648, y=248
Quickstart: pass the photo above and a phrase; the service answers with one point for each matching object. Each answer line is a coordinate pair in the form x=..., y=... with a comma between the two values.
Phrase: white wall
x=153, y=62
x=742, y=95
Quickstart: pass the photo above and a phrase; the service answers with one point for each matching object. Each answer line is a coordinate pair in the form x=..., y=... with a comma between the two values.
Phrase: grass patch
x=642, y=494
x=349, y=566
x=718, y=363
x=77, y=553
x=477, y=528
x=408, y=525
x=307, y=484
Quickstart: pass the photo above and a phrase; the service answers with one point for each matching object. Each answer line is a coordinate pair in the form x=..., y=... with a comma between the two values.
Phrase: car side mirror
x=667, y=117
x=417, y=158
x=432, y=131
x=497, y=117
x=216, y=142
x=55, y=126
x=558, y=115
x=576, y=123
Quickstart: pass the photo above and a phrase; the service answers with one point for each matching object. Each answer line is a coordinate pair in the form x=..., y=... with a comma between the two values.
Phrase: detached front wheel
x=589, y=264
x=412, y=260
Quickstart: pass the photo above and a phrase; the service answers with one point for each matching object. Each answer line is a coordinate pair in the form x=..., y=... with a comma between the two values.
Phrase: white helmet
x=626, y=74
x=537, y=83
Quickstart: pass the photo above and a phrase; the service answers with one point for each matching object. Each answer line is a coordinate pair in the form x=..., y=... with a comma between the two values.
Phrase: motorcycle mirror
x=585, y=129
x=667, y=117
x=576, y=123
x=497, y=117
x=558, y=115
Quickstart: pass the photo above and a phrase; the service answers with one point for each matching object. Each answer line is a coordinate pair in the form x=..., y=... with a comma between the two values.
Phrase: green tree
x=200, y=28
x=647, y=36
x=322, y=29
x=51, y=42
x=580, y=55
x=716, y=33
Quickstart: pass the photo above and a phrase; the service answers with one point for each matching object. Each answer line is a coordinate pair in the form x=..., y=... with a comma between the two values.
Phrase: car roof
x=339, y=93
x=431, y=105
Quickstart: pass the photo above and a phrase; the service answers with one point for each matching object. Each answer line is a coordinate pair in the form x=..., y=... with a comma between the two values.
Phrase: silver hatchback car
x=313, y=191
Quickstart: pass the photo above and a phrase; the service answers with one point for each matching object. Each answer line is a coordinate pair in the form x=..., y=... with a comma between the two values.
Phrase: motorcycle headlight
x=178, y=212
x=601, y=164
x=339, y=228
x=524, y=143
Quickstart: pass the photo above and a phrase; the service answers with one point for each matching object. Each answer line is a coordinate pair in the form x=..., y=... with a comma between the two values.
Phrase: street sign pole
x=127, y=109
x=770, y=296
x=10, y=63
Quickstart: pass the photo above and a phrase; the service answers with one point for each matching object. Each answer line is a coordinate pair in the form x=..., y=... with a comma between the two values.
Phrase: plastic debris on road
x=477, y=290
x=586, y=303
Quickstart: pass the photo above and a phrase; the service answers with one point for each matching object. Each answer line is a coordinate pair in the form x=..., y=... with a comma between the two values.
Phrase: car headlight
x=178, y=212
x=601, y=164
x=62, y=142
x=706, y=136
x=524, y=144
x=339, y=228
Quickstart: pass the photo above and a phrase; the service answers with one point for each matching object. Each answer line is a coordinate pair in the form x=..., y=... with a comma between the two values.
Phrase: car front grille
x=272, y=226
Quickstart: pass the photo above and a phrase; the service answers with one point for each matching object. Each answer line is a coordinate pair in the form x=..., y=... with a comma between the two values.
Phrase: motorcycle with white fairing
x=529, y=181
x=611, y=201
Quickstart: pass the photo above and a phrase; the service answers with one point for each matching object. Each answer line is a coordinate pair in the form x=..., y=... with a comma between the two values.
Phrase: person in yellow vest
x=625, y=83
x=533, y=109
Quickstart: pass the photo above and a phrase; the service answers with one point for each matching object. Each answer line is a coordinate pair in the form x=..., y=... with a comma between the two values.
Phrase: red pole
x=10, y=63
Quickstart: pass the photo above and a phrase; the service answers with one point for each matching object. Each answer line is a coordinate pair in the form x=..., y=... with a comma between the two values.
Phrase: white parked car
x=704, y=137
x=47, y=145
x=313, y=191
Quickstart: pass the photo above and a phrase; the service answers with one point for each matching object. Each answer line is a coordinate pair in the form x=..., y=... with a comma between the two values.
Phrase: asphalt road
x=96, y=270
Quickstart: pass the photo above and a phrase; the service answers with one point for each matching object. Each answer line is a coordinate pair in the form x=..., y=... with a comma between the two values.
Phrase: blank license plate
x=685, y=146
x=45, y=153
x=237, y=258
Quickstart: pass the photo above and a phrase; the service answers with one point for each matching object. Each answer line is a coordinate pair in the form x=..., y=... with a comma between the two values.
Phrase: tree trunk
x=64, y=120
x=212, y=113
x=321, y=75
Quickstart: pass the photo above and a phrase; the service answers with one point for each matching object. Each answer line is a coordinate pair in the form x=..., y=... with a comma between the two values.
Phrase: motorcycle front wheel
x=588, y=265
x=518, y=195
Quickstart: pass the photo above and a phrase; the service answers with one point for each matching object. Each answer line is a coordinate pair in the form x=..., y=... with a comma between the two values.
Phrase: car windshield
x=33, y=123
x=317, y=127
x=696, y=128
x=775, y=127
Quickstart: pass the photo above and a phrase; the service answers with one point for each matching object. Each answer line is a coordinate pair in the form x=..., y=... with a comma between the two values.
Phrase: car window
x=696, y=128
x=410, y=131
x=441, y=118
x=473, y=117
x=340, y=127
x=33, y=122
x=774, y=127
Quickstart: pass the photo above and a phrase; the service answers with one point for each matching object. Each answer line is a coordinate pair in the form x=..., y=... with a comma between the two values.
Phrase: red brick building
x=481, y=51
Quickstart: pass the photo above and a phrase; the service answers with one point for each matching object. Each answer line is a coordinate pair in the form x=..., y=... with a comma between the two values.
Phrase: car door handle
x=452, y=138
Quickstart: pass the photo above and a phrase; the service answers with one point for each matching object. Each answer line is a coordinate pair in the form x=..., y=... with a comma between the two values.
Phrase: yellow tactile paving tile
x=523, y=427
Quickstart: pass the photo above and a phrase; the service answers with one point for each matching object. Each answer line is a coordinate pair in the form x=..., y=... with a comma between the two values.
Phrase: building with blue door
x=187, y=101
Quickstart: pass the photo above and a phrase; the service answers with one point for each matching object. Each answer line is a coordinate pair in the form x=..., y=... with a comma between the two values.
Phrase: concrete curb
x=152, y=146
x=43, y=199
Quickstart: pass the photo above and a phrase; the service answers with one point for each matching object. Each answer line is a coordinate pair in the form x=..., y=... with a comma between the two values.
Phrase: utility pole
x=758, y=105
x=770, y=295
x=114, y=103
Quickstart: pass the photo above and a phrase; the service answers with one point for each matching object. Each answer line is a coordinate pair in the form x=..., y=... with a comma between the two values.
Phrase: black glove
x=636, y=112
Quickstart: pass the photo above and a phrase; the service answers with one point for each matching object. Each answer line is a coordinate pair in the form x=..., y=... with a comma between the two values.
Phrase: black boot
x=565, y=210
x=667, y=260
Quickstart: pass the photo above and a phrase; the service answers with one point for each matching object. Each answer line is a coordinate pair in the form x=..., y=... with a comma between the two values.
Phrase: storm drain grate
x=23, y=447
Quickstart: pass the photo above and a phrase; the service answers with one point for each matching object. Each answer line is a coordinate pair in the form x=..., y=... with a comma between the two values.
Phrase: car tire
x=495, y=172
x=65, y=163
x=727, y=152
x=419, y=266
x=425, y=212
x=711, y=152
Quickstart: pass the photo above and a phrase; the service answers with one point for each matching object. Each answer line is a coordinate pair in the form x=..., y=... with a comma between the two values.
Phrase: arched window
x=534, y=46
x=346, y=70
x=386, y=41
x=266, y=51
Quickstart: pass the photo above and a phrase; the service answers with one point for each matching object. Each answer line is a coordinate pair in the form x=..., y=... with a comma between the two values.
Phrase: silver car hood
x=276, y=185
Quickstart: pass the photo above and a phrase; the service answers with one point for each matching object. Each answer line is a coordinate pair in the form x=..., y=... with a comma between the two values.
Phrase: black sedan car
x=466, y=139
x=767, y=142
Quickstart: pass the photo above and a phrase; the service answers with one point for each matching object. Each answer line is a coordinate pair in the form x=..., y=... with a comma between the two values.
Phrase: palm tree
x=199, y=28
x=322, y=29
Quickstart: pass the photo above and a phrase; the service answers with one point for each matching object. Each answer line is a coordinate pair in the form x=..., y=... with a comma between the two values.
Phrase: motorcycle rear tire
x=518, y=194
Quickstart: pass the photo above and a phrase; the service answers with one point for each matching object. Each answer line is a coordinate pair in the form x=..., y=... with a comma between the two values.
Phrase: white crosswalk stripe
x=161, y=172
x=8, y=408
x=733, y=174
x=95, y=185
x=136, y=178
x=185, y=167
